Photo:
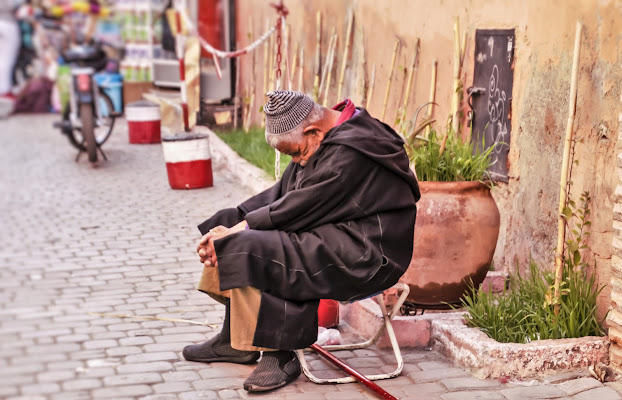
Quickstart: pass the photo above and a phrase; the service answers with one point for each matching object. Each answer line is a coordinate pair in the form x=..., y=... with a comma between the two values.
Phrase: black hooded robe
x=339, y=228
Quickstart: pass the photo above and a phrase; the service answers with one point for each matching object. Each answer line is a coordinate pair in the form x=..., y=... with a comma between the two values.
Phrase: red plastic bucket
x=328, y=313
x=143, y=122
x=188, y=160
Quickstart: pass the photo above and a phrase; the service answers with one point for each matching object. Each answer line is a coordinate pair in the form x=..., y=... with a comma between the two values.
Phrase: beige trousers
x=244, y=308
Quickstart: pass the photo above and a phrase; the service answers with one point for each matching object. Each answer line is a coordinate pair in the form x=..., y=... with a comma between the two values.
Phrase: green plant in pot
x=457, y=218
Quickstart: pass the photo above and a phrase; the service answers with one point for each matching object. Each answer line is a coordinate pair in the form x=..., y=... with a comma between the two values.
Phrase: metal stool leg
x=387, y=317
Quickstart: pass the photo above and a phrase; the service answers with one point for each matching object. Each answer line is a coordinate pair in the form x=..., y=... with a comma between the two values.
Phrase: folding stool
x=387, y=317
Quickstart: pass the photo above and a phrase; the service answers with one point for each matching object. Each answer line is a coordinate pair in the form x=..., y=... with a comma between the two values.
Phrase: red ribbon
x=280, y=8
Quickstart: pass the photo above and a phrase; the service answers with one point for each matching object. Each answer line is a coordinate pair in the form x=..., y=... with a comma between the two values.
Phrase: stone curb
x=486, y=358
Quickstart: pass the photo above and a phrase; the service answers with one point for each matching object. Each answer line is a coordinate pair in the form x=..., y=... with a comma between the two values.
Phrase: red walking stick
x=352, y=372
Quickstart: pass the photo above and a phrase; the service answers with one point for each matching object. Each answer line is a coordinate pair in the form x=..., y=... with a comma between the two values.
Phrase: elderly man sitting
x=338, y=225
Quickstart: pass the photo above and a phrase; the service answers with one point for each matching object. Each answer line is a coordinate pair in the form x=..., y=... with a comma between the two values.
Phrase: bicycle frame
x=83, y=90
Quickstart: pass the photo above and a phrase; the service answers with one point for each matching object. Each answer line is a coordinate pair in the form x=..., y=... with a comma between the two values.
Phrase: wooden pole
x=364, y=84
x=346, y=47
x=432, y=97
x=271, y=71
x=286, y=56
x=561, y=222
x=411, y=74
x=463, y=50
x=455, y=99
x=237, y=99
x=266, y=55
x=318, y=56
x=180, y=46
x=469, y=132
x=245, y=107
x=330, y=69
x=326, y=62
x=371, y=85
x=292, y=77
x=388, y=89
x=247, y=122
x=301, y=74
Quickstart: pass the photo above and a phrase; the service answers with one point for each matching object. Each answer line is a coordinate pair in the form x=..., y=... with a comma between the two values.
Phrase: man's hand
x=202, y=247
x=205, y=249
x=207, y=254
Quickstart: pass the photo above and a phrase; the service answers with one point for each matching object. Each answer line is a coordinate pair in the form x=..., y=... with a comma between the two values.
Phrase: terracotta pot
x=455, y=238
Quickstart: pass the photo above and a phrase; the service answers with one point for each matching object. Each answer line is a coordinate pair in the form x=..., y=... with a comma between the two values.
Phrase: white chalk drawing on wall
x=496, y=111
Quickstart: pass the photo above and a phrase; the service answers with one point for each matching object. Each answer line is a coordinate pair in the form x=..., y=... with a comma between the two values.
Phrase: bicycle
x=89, y=114
x=89, y=118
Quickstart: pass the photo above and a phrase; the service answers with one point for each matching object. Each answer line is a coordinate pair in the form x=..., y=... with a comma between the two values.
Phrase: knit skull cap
x=285, y=110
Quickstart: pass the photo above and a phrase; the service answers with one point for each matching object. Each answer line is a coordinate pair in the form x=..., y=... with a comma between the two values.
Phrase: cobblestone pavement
x=96, y=264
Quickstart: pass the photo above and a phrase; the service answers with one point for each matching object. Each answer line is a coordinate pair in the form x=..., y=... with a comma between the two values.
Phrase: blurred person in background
x=9, y=43
x=9, y=48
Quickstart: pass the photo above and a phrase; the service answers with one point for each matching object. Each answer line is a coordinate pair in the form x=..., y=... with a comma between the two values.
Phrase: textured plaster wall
x=545, y=33
x=614, y=318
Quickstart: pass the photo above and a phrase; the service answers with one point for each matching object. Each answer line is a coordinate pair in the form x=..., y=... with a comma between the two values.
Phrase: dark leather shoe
x=273, y=371
x=215, y=351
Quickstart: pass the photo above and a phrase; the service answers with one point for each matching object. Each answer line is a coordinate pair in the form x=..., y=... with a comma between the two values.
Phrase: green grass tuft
x=525, y=312
x=253, y=148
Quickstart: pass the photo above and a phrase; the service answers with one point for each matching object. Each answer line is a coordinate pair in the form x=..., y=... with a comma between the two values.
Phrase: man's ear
x=314, y=130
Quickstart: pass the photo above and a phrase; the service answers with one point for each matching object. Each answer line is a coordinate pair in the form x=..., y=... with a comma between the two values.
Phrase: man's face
x=303, y=150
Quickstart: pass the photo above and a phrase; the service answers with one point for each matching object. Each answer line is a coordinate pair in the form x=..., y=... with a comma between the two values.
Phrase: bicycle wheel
x=104, y=124
x=72, y=133
x=88, y=130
